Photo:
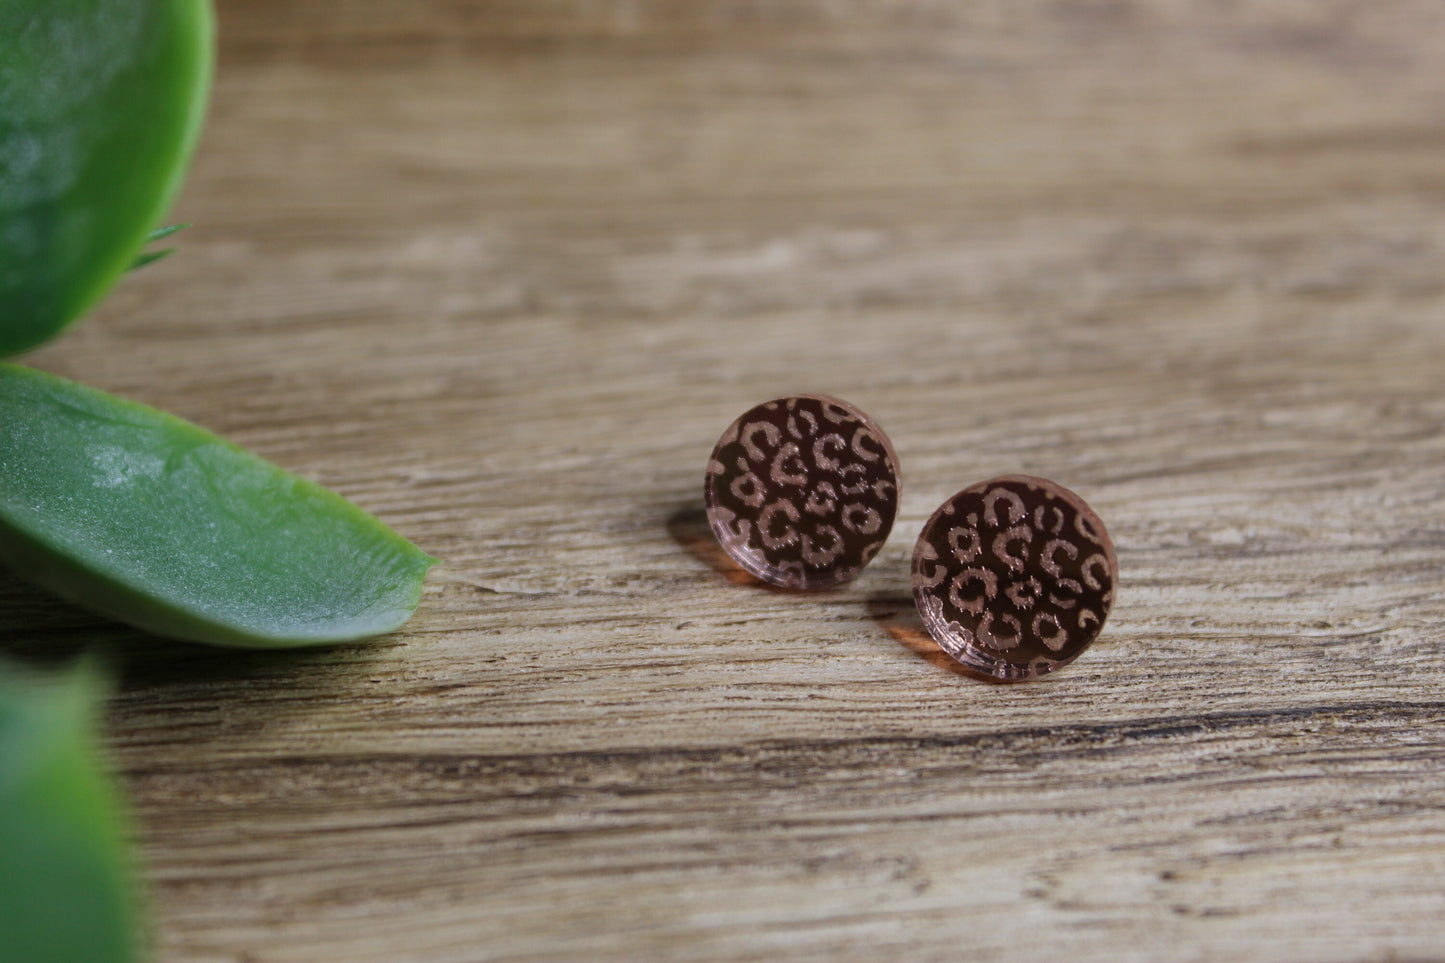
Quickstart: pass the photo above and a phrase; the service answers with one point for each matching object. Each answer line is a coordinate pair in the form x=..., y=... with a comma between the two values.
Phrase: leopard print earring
x=802, y=491
x=1014, y=577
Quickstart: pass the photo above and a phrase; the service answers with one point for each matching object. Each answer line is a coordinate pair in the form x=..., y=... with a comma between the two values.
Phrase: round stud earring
x=1014, y=577
x=802, y=491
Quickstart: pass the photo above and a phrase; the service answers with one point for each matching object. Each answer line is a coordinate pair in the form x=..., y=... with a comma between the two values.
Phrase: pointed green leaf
x=149, y=519
x=65, y=888
x=151, y=257
x=101, y=103
x=165, y=232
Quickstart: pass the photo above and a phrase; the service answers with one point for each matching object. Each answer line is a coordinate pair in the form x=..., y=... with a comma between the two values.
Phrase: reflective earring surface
x=802, y=491
x=1014, y=576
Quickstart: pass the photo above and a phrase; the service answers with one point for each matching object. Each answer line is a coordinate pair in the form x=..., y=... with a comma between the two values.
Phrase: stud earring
x=802, y=491
x=1014, y=577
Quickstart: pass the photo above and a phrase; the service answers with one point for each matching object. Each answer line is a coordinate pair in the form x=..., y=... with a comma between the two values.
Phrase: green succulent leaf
x=101, y=103
x=149, y=519
x=65, y=886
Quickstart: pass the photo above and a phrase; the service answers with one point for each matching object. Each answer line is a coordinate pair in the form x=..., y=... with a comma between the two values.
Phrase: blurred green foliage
x=101, y=104
x=66, y=895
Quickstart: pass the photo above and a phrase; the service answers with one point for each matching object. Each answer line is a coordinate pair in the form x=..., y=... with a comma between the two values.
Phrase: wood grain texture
x=502, y=271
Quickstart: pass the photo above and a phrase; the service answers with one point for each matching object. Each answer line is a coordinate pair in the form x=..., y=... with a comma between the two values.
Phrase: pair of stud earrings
x=1013, y=576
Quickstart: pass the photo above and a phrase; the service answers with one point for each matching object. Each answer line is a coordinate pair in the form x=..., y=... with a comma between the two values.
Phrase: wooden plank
x=502, y=272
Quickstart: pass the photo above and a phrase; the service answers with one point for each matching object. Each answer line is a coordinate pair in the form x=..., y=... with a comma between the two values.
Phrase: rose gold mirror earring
x=802, y=491
x=1014, y=577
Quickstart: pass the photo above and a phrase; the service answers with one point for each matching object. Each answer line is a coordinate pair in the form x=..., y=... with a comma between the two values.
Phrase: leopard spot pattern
x=1014, y=577
x=802, y=491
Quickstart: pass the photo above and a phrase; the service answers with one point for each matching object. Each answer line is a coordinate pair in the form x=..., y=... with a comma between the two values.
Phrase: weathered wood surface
x=501, y=272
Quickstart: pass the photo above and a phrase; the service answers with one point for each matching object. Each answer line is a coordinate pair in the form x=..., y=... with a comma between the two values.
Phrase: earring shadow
x=689, y=528
x=896, y=614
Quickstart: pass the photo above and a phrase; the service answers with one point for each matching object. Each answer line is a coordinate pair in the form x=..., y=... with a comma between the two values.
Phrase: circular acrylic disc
x=1014, y=576
x=802, y=491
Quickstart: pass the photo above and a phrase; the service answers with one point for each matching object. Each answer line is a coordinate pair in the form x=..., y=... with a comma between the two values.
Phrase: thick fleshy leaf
x=149, y=519
x=65, y=890
x=101, y=102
